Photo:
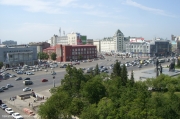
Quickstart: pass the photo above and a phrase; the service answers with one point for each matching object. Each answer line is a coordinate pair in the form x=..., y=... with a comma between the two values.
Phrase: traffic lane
x=4, y=115
x=18, y=85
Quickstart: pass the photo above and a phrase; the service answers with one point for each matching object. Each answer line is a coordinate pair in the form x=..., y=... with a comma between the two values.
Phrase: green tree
x=1, y=65
x=132, y=78
x=105, y=109
x=117, y=69
x=56, y=107
x=53, y=56
x=124, y=75
x=89, y=112
x=94, y=90
x=42, y=56
x=76, y=106
x=96, y=71
x=73, y=81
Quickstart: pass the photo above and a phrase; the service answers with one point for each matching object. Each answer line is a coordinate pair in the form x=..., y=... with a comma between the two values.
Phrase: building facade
x=89, y=41
x=84, y=39
x=138, y=48
x=71, y=39
x=97, y=44
x=74, y=39
x=18, y=55
x=40, y=45
x=58, y=40
x=113, y=44
x=160, y=47
x=67, y=53
x=9, y=43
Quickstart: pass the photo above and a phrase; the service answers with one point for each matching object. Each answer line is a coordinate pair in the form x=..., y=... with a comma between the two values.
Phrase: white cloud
x=39, y=5
x=97, y=13
x=153, y=10
x=84, y=6
x=65, y=2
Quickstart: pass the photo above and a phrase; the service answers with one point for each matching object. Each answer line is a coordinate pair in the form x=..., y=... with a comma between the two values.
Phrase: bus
x=161, y=60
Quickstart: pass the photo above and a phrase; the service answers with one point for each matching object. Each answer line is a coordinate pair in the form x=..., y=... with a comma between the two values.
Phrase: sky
x=27, y=21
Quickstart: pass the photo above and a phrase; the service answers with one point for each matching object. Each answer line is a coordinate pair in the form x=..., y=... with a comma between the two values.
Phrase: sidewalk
x=18, y=105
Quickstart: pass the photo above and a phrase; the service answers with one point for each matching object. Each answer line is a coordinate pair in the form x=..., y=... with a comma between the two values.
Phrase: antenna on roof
x=60, y=31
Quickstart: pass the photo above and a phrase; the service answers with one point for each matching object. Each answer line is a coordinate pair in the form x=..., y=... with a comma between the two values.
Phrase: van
x=27, y=82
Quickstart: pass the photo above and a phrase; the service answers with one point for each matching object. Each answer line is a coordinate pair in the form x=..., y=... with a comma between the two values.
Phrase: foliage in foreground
x=112, y=97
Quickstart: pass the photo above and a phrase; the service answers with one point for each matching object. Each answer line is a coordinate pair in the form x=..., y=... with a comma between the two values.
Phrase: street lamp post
x=53, y=77
x=53, y=80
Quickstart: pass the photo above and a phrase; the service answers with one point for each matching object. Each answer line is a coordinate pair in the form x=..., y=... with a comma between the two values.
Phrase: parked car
x=12, y=75
x=17, y=116
x=19, y=78
x=63, y=66
x=29, y=73
x=4, y=88
x=44, y=80
x=27, y=78
x=53, y=73
x=19, y=72
x=4, y=106
x=1, y=90
x=9, y=86
x=27, y=89
x=9, y=111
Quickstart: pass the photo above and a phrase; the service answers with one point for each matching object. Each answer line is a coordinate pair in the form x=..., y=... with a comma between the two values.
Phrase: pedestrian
x=29, y=104
x=10, y=98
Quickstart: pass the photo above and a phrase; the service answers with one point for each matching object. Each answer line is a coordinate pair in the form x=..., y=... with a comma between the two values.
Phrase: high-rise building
x=113, y=44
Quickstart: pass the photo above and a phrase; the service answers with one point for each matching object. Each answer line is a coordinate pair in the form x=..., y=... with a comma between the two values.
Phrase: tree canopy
x=53, y=56
x=43, y=56
x=113, y=97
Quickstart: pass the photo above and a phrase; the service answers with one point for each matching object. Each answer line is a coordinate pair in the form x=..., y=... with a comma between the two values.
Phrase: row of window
x=83, y=49
x=137, y=50
x=85, y=52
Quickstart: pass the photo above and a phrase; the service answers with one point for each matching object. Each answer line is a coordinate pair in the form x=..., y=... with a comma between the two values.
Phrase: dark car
x=19, y=78
x=27, y=79
x=63, y=66
x=44, y=80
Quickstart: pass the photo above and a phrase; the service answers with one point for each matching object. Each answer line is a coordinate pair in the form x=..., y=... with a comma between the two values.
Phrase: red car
x=44, y=80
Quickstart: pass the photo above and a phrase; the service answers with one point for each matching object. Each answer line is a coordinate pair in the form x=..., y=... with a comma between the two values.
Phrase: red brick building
x=50, y=50
x=73, y=52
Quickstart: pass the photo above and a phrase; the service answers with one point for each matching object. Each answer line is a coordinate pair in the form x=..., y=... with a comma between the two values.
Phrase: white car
x=29, y=73
x=27, y=89
x=12, y=75
x=17, y=116
x=9, y=111
x=4, y=106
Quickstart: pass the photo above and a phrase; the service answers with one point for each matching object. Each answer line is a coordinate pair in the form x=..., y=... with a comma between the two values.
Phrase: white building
x=137, y=47
x=113, y=44
x=97, y=44
x=71, y=39
x=58, y=40
x=74, y=39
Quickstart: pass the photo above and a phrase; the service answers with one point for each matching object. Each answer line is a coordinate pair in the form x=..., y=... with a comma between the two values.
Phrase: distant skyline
x=27, y=21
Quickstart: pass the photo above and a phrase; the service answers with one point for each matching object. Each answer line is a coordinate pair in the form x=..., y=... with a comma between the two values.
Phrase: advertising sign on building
x=136, y=39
